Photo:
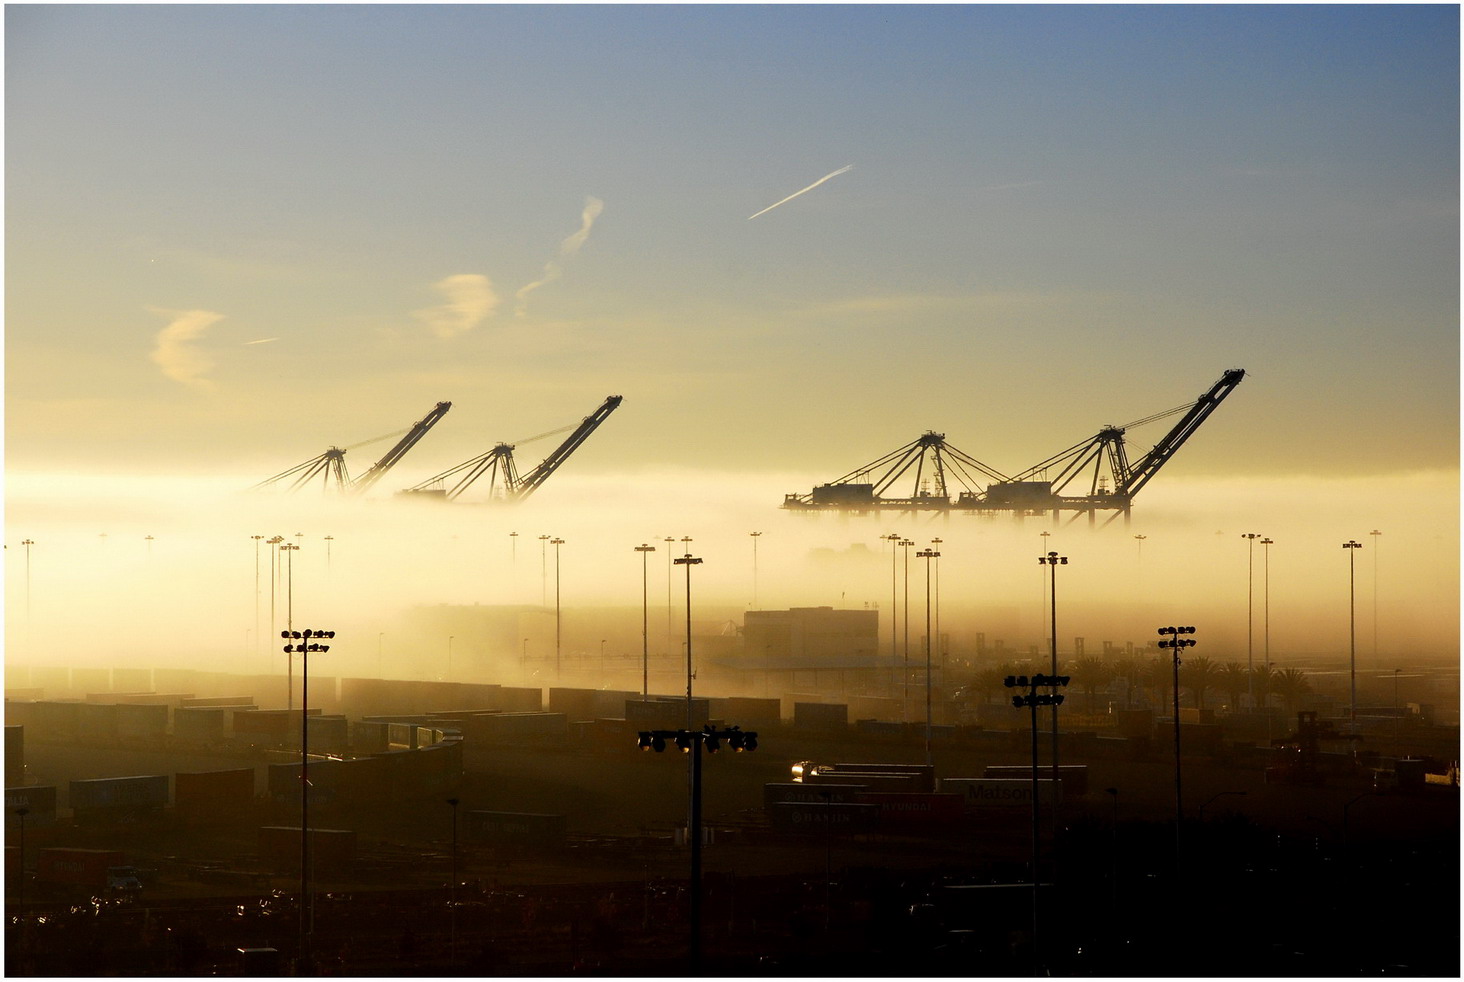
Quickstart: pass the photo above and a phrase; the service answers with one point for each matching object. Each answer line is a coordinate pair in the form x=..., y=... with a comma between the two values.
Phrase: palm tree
x=1233, y=680
x=1091, y=674
x=1290, y=684
x=1198, y=674
x=1265, y=682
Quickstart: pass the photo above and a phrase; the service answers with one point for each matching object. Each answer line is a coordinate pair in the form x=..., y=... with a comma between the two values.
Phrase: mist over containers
x=517, y=830
x=666, y=712
x=114, y=799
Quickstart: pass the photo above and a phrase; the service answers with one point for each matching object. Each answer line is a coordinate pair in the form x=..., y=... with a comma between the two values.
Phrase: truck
x=88, y=869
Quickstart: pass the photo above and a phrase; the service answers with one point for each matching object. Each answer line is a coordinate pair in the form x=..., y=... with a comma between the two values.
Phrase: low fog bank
x=166, y=572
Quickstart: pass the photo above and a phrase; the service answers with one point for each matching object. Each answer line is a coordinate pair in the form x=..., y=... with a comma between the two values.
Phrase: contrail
x=795, y=194
x=262, y=341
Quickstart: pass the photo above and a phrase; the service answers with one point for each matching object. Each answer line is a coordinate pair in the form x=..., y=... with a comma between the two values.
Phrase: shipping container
x=213, y=796
x=39, y=803
x=141, y=721
x=55, y=720
x=517, y=829
x=575, y=704
x=743, y=710
x=368, y=737
x=520, y=700
x=137, y=794
x=609, y=703
x=85, y=680
x=1074, y=777
x=820, y=716
x=96, y=723
x=667, y=712
x=329, y=734
x=271, y=727
x=515, y=729
x=77, y=867
x=777, y=793
x=834, y=818
x=132, y=680
x=981, y=792
x=199, y=701
x=902, y=810
x=201, y=724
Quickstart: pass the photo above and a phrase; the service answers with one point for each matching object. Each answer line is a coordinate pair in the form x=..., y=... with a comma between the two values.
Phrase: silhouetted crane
x=1111, y=481
x=331, y=465
x=504, y=482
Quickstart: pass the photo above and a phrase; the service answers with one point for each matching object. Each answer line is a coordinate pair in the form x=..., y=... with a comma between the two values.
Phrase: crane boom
x=389, y=459
x=530, y=482
x=1149, y=464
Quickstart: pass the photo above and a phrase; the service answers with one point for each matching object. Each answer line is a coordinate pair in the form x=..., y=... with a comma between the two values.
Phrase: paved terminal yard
x=612, y=895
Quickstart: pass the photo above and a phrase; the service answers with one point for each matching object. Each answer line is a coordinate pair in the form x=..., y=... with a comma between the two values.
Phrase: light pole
x=1178, y=644
x=1267, y=543
x=27, y=543
x=1376, y=548
x=544, y=570
x=670, y=550
x=905, y=544
x=645, y=549
x=257, y=639
x=1052, y=560
x=927, y=555
x=894, y=538
x=755, y=536
x=939, y=647
x=328, y=540
x=274, y=568
x=1250, y=667
x=1032, y=699
x=289, y=549
x=452, y=890
x=1352, y=546
x=557, y=542
x=688, y=561
x=691, y=742
x=301, y=642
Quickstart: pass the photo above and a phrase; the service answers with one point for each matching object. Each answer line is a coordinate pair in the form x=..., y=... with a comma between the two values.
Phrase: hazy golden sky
x=237, y=235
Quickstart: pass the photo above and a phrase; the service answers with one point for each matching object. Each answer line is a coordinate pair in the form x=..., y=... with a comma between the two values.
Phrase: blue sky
x=1057, y=218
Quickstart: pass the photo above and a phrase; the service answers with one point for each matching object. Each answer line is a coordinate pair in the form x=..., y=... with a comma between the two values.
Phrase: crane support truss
x=1087, y=478
x=331, y=465
x=505, y=483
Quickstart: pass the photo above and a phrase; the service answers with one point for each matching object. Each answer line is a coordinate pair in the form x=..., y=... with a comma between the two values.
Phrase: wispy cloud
x=567, y=249
x=1013, y=186
x=470, y=301
x=174, y=351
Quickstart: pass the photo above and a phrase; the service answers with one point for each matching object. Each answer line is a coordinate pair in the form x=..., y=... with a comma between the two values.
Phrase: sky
x=238, y=235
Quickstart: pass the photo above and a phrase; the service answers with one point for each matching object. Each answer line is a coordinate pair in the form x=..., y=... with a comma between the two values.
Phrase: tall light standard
x=688, y=561
x=755, y=536
x=927, y=555
x=1053, y=561
x=300, y=642
x=556, y=543
x=1250, y=666
x=1178, y=644
x=935, y=544
x=670, y=554
x=1267, y=543
x=1352, y=546
x=289, y=549
x=1376, y=548
x=1032, y=699
x=257, y=639
x=27, y=543
x=905, y=544
x=645, y=549
x=274, y=569
x=328, y=540
x=892, y=539
x=544, y=570
x=691, y=742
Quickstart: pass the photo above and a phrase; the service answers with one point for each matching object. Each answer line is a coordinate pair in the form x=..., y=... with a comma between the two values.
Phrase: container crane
x=1102, y=461
x=331, y=465
x=389, y=459
x=505, y=483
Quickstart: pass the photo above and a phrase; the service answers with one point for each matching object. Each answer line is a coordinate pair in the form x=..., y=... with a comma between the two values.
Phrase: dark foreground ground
x=1262, y=880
